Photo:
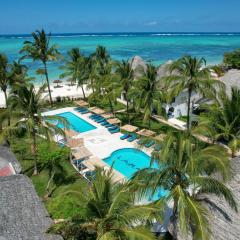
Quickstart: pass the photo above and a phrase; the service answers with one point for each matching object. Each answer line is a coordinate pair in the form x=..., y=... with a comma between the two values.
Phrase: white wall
x=180, y=104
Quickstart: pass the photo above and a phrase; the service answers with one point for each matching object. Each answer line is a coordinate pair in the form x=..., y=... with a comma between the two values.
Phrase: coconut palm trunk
x=34, y=152
x=48, y=85
x=189, y=108
x=48, y=190
x=128, y=115
x=84, y=96
x=111, y=106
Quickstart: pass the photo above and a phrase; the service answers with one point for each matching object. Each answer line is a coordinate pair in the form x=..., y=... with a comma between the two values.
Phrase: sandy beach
x=64, y=91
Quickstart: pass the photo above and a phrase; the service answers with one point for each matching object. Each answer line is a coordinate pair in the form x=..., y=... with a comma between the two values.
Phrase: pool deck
x=99, y=141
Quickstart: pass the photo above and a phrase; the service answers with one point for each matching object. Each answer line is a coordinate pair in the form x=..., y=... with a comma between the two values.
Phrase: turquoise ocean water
x=155, y=47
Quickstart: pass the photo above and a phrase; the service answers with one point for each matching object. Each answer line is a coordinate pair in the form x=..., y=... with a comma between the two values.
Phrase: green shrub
x=232, y=59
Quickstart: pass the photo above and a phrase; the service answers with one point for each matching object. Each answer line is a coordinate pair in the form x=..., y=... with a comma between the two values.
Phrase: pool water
x=130, y=160
x=76, y=123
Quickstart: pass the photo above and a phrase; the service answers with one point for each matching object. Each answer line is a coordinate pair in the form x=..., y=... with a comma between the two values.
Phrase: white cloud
x=152, y=23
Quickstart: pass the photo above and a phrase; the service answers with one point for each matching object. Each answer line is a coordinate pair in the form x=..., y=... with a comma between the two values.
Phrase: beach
x=64, y=91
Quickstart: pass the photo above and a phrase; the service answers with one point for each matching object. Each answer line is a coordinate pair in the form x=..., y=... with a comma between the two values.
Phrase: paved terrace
x=99, y=141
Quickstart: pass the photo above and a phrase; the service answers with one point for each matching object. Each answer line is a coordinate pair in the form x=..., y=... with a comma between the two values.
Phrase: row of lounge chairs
x=82, y=110
x=101, y=120
x=130, y=137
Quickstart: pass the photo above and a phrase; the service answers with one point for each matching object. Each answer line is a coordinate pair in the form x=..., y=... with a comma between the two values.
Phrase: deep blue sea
x=155, y=47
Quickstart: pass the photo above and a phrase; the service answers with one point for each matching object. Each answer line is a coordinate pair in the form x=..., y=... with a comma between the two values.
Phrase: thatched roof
x=138, y=65
x=146, y=133
x=224, y=221
x=129, y=128
x=231, y=79
x=22, y=214
x=163, y=70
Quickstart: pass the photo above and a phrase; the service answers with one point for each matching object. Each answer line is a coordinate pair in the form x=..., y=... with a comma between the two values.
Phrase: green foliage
x=40, y=50
x=146, y=94
x=185, y=170
x=191, y=74
x=221, y=121
x=109, y=210
x=51, y=152
x=232, y=59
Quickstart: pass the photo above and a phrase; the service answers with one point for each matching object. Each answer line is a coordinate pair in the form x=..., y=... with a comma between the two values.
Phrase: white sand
x=65, y=91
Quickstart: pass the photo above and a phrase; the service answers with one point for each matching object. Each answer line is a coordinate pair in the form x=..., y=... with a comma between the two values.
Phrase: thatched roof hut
x=224, y=221
x=22, y=214
x=138, y=66
x=231, y=79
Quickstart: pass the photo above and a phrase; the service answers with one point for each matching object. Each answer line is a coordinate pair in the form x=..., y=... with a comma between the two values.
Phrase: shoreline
x=64, y=91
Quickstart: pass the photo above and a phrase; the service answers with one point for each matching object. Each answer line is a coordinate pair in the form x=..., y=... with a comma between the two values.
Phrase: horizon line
x=125, y=32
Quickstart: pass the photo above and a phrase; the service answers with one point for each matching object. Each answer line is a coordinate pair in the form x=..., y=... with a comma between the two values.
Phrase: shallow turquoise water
x=128, y=161
x=154, y=47
x=76, y=123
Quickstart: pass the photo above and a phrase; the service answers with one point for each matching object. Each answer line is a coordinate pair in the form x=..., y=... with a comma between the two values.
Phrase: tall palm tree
x=111, y=212
x=25, y=104
x=101, y=59
x=191, y=74
x=76, y=68
x=52, y=158
x=222, y=119
x=40, y=50
x=101, y=55
x=111, y=88
x=147, y=94
x=4, y=77
x=125, y=71
x=185, y=170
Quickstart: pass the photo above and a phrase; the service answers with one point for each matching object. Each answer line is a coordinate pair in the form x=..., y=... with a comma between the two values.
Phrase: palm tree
x=111, y=87
x=222, y=119
x=52, y=158
x=5, y=79
x=126, y=74
x=76, y=68
x=110, y=211
x=40, y=50
x=25, y=104
x=101, y=55
x=185, y=170
x=19, y=74
x=191, y=74
x=147, y=93
x=101, y=59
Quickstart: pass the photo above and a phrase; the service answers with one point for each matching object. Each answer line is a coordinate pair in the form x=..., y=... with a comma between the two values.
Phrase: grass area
x=182, y=118
x=60, y=205
x=104, y=104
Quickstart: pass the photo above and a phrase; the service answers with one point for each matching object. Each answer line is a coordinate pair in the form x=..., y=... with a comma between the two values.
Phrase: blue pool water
x=128, y=161
x=76, y=123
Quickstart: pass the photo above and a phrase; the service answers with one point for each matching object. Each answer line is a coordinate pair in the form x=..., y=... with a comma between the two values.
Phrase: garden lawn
x=61, y=204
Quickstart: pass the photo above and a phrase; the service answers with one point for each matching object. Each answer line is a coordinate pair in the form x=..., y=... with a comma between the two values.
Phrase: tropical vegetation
x=40, y=50
x=190, y=74
x=186, y=167
x=185, y=171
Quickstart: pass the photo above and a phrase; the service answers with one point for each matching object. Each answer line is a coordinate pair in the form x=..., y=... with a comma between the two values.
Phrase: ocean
x=155, y=47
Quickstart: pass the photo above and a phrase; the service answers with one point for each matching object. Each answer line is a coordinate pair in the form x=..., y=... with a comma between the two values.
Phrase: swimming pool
x=76, y=123
x=128, y=161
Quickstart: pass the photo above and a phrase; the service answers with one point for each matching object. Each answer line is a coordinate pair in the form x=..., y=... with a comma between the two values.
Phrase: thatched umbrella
x=71, y=82
x=129, y=128
x=146, y=133
x=57, y=82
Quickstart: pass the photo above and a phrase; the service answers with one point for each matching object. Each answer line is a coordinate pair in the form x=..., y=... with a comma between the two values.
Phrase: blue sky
x=25, y=16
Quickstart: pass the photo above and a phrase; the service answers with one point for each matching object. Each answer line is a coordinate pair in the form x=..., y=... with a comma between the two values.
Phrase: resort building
x=22, y=214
